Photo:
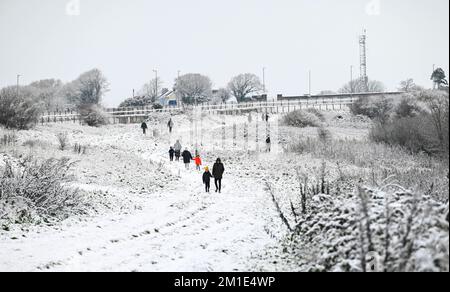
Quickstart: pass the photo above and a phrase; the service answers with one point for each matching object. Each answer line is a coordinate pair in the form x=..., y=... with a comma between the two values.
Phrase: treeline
x=21, y=107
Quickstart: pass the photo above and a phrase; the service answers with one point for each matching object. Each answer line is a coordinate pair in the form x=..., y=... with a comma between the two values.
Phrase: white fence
x=139, y=114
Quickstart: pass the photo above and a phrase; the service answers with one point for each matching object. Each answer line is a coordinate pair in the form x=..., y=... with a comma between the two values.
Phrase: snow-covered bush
x=377, y=108
x=301, y=119
x=418, y=129
x=19, y=111
x=93, y=116
x=33, y=191
x=372, y=230
x=63, y=140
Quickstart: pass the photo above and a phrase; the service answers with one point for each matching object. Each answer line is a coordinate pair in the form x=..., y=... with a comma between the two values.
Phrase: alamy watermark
x=73, y=8
x=373, y=8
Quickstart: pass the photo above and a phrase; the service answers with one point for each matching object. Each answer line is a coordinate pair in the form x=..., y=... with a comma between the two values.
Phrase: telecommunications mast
x=363, y=61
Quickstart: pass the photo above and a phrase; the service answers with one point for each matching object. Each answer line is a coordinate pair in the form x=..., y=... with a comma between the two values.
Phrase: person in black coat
x=171, y=153
x=144, y=127
x=218, y=171
x=207, y=179
x=187, y=158
x=268, y=144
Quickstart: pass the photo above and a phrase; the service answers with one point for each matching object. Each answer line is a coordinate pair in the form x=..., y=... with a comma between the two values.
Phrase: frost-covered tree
x=86, y=93
x=49, y=91
x=193, y=88
x=92, y=85
x=243, y=85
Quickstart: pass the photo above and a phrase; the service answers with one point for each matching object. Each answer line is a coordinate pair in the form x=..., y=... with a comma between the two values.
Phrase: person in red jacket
x=198, y=162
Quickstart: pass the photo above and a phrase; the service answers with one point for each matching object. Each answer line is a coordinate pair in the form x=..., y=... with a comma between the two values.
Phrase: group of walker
x=175, y=154
x=217, y=172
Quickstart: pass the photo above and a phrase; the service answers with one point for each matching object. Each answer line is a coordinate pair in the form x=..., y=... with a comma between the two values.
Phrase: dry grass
x=32, y=191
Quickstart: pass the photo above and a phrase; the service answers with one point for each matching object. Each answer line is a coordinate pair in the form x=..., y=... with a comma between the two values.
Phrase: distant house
x=168, y=98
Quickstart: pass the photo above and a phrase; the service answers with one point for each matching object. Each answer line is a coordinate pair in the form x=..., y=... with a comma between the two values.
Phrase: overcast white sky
x=127, y=39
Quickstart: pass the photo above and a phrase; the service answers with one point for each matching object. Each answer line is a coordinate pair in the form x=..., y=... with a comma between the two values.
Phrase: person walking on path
x=170, y=124
x=207, y=179
x=171, y=153
x=268, y=144
x=177, y=149
x=198, y=162
x=267, y=117
x=144, y=127
x=218, y=171
x=187, y=158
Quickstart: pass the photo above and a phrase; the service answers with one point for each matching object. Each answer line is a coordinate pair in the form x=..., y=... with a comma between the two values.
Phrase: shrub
x=317, y=113
x=63, y=141
x=379, y=108
x=31, y=191
x=93, y=116
x=417, y=129
x=79, y=149
x=413, y=133
x=408, y=107
x=301, y=119
x=19, y=111
x=324, y=135
x=8, y=139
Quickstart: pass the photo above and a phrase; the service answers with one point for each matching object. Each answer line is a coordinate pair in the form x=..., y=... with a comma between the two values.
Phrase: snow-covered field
x=150, y=214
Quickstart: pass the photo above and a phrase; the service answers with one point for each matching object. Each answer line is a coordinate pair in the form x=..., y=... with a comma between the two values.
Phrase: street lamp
x=264, y=80
x=351, y=79
x=309, y=78
x=18, y=81
x=156, y=82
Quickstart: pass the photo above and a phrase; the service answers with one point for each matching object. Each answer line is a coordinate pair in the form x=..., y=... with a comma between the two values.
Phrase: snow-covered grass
x=147, y=214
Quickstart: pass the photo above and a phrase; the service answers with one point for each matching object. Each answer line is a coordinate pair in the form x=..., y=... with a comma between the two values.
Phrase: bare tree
x=223, y=95
x=193, y=88
x=153, y=89
x=409, y=85
x=243, y=85
x=357, y=86
x=88, y=89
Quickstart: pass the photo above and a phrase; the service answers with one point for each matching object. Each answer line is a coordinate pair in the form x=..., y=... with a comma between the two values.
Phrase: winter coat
x=177, y=146
x=170, y=124
x=187, y=156
x=144, y=126
x=268, y=141
x=218, y=170
x=207, y=177
x=198, y=161
x=171, y=152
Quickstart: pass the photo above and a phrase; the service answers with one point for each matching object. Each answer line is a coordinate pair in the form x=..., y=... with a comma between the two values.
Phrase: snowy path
x=180, y=229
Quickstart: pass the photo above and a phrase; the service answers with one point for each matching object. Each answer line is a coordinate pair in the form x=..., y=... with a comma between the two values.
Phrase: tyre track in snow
x=176, y=231
x=213, y=232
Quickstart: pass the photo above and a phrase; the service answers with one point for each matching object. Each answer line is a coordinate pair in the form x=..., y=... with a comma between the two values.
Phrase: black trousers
x=207, y=186
x=218, y=183
x=171, y=157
